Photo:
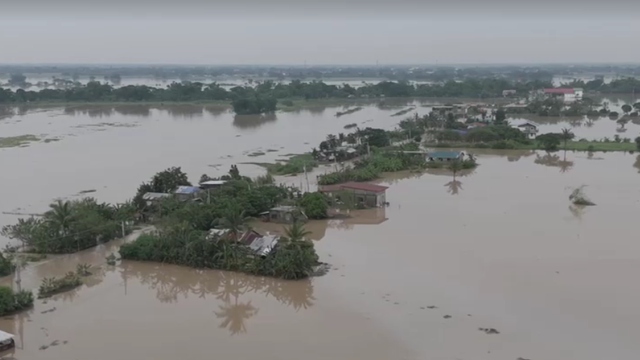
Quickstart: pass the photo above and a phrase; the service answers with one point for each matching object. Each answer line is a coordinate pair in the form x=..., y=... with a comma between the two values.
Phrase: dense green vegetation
x=370, y=167
x=183, y=227
x=262, y=97
x=51, y=286
x=294, y=257
x=294, y=165
x=314, y=205
x=70, y=226
x=11, y=302
x=505, y=137
x=6, y=265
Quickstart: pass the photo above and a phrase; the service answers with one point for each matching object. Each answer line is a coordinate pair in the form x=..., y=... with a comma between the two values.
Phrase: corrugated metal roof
x=364, y=186
x=444, y=154
x=262, y=246
x=186, y=190
x=154, y=196
x=214, y=182
x=4, y=336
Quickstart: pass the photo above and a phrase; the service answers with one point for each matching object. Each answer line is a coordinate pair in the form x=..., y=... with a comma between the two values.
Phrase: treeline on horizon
x=268, y=92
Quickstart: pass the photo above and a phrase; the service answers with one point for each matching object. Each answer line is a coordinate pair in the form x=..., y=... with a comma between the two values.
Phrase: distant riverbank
x=591, y=146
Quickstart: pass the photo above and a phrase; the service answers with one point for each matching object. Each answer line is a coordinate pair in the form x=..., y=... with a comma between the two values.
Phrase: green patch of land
x=294, y=165
x=592, y=146
x=14, y=141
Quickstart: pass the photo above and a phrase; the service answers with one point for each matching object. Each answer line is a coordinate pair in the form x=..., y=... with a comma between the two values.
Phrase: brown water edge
x=141, y=310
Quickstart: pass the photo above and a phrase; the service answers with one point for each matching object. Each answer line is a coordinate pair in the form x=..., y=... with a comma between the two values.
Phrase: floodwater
x=499, y=247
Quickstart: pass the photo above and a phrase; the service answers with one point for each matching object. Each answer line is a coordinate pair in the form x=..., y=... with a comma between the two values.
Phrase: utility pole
x=306, y=176
x=124, y=233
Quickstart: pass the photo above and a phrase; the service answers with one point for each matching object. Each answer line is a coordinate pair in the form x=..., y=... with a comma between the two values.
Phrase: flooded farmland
x=499, y=248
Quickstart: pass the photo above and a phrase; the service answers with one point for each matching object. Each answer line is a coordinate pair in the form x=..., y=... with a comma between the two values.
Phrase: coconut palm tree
x=61, y=215
x=296, y=232
x=236, y=221
x=567, y=135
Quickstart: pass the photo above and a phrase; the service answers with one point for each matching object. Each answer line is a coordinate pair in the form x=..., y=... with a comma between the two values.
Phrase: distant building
x=259, y=244
x=508, y=93
x=284, y=214
x=185, y=193
x=153, y=197
x=364, y=194
x=445, y=155
x=526, y=126
x=565, y=94
x=212, y=184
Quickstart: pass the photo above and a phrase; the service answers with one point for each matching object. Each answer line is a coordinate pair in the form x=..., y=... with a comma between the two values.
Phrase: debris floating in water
x=578, y=197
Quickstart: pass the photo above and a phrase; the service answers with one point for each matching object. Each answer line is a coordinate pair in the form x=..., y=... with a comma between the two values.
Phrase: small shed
x=153, y=197
x=445, y=155
x=185, y=193
x=284, y=214
x=367, y=195
x=212, y=184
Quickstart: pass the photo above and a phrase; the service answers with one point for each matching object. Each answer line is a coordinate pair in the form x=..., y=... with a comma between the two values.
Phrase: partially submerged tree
x=578, y=197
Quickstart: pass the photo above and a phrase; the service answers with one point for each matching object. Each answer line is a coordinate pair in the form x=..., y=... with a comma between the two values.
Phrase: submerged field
x=500, y=247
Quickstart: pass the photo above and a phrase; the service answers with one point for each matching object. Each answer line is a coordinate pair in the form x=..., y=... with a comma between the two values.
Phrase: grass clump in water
x=15, y=141
x=348, y=111
x=52, y=286
x=11, y=302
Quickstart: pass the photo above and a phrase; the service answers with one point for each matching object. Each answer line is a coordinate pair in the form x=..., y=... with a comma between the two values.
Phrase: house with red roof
x=363, y=194
x=565, y=94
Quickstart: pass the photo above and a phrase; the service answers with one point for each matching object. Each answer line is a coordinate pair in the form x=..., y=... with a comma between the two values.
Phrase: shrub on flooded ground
x=11, y=301
x=70, y=226
x=293, y=258
x=314, y=205
x=370, y=168
x=52, y=286
x=6, y=265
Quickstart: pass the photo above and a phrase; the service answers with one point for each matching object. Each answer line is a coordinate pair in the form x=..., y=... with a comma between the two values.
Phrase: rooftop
x=186, y=190
x=284, y=208
x=154, y=196
x=214, y=182
x=363, y=186
x=444, y=154
x=559, y=91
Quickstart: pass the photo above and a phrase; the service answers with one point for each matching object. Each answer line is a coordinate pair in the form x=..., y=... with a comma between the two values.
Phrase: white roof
x=4, y=336
x=214, y=182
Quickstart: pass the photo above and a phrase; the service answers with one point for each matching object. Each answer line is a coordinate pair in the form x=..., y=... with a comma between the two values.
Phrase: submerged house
x=445, y=155
x=151, y=198
x=364, y=194
x=259, y=244
x=284, y=214
x=186, y=193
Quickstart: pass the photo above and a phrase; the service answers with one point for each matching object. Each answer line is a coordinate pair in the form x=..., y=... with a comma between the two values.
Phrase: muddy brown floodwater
x=495, y=264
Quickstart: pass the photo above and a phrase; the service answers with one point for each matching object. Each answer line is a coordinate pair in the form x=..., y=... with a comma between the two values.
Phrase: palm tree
x=296, y=232
x=567, y=135
x=236, y=221
x=61, y=215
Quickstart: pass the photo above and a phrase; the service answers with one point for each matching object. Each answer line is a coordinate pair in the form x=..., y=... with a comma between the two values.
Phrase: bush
x=52, y=286
x=11, y=302
x=6, y=265
x=314, y=205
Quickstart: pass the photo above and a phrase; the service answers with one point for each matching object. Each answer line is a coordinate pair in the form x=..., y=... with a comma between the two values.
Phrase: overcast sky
x=320, y=32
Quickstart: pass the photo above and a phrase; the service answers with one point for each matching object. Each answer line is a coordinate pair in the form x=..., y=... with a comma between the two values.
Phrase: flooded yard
x=428, y=277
